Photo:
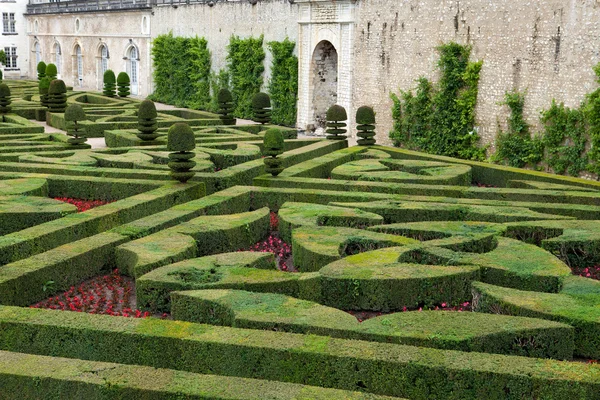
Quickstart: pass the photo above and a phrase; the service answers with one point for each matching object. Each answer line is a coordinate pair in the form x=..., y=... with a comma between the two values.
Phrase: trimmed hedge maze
x=356, y=273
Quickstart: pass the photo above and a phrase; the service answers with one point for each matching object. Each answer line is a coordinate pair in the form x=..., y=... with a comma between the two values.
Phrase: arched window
x=79, y=61
x=133, y=68
x=38, y=53
x=58, y=58
x=103, y=59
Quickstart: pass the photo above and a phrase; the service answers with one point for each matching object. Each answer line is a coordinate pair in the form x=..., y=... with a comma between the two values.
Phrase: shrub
x=73, y=114
x=4, y=100
x=245, y=63
x=51, y=71
x=273, y=146
x=335, y=115
x=43, y=87
x=225, y=100
x=180, y=140
x=57, y=96
x=109, y=83
x=0, y=75
x=365, y=118
x=2, y=60
x=123, y=83
x=261, y=108
x=283, y=85
x=41, y=69
x=147, y=125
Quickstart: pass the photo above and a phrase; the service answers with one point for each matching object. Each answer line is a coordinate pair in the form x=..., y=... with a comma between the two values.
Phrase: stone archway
x=324, y=72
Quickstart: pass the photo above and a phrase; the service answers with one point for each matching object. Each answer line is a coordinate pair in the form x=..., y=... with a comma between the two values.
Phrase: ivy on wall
x=181, y=71
x=283, y=86
x=440, y=118
x=245, y=64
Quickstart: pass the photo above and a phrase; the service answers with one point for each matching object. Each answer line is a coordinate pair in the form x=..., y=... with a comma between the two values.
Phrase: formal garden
x=196, y=257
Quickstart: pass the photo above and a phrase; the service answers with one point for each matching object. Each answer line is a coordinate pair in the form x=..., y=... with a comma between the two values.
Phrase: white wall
x=19, y=40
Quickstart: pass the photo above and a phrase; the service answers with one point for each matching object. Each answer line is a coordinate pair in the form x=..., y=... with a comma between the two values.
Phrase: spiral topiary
x=73, y=114
x=110, y=83
x=123, y=83
x=4, y=100
x=273, y=146
x=147, y=125
x=365, y=118
x=180, y=140
x=57, y=96
x=225, y=100
x=261, y=107
x=43, y=87
x=335, y=115
x=41, y=69
x=51, y=71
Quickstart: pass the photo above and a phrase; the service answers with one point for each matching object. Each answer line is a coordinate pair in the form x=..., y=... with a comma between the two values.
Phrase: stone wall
x=547, y=48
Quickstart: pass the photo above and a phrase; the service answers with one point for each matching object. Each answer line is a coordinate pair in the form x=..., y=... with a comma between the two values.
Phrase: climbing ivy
x=181, y=71
x=283, y=86
x=245, y=63
x=440, y=119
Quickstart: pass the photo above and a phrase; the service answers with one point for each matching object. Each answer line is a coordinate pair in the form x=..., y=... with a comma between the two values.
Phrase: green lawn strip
x=380, y=368
x=578, y=305
x=20, y=212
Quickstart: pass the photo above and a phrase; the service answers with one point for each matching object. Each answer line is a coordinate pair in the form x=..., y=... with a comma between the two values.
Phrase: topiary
x=73, y=114
x=4, y=100
x=180, y=140
x=43, y=87
x=261, y=107
x=57, y=96
x=123, y=83
x=41, y=69
x=51, y=71
x=365, y=118
x=0, y=75
x=110, y=83
x=273, y=146
x=225, y=100
x=335, y=115
x=147, y=125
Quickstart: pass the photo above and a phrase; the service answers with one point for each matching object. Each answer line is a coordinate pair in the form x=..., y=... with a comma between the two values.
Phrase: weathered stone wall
x=546, y=48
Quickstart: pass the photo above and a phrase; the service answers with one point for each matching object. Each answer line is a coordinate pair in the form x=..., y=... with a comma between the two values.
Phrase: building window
x=38, y=53
x=58, y=58
x=8, y=23
x=11, y=57
x=103, y=60
x=79, y=60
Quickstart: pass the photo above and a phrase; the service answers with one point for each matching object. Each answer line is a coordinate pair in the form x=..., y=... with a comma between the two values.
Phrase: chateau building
x=14, y=41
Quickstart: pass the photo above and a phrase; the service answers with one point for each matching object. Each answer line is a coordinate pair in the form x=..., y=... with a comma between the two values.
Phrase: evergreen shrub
x=273, y=146
x=110, y=83
x=73, y=115
x=57, y=96
x=336, y=114
x=261, y=108
x=147, y=125
x=180, y=141
x=41, y=69
x=225, y=100
x=123, y=84
x=365, y=118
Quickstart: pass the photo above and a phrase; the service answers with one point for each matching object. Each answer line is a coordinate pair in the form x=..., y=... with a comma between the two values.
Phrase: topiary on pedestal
x=41, y=69
x=365, y=118
x=110, y=83
x=4, y=100
x=335, y=127
x=51, y=71
x=225, y=100
x=73, y=114
x=43, y=87
x=57, y=96
x=261, y=107
x=123, y=83
x=273, y=146
x=180, y=140
x=147, y=125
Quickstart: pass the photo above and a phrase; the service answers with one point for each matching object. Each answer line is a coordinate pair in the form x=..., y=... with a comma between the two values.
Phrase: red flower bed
x=82, y=205
x=281, y=250
x=588, y=272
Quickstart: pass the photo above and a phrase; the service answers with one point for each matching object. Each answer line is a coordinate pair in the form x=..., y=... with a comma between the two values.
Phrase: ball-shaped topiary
x=57, y=96
x=4, y=100
x=51, y=71
x=147, y=125
x=43, y=87
x=41, y=69
x=273, y=146
x=365, y=118
x=180, y=140
x=335, y=127
x=225, y=100
x=73, y=115
x=261, y=107
x=110, y=83
x=123, y=83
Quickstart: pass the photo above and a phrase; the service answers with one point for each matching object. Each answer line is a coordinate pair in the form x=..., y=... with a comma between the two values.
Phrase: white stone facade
x=13, y=36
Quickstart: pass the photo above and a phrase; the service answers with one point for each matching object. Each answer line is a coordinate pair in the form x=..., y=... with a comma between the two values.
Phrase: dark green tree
x=4, y=100
x=51, y=71
x=180, y=140
x=57, y=96
x=335, y=125
x=123, y=83
x=73, y=115
x=273, y=146
x=41, y=69
x=365, y=119
x=225, y=100
x=147, y=125
x=261, y=108
x=43, y=87
x=110, y=83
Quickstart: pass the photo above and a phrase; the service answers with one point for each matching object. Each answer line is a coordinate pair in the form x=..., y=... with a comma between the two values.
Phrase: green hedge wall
x=245, y=63
x=283, y=86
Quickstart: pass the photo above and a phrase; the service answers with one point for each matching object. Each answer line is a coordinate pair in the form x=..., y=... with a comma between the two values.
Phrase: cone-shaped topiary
x=365, y=118
x=4, y=100
x=43, y=87
x=123, y=83
x=51, y=71
x=180, y=140
x=335, y=115
x=273, y=146
x=57, y=96
x=73, y=115
x=261, y=107
x=110, y=83
x=147, y=125
x=41, y=69
x=225, y=100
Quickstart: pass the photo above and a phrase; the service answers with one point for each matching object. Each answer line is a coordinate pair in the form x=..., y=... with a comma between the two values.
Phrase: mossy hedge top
x=180, y=138
x=336, y=113
x=224, y=96
x=51, y=70
x=147, y=110
x=74, y=113
x=123, y=77
x=109, y=76
x=365, y=116
x=261, y=100
x=57, y=86
x=273, y=139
